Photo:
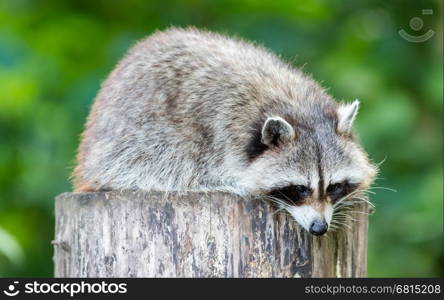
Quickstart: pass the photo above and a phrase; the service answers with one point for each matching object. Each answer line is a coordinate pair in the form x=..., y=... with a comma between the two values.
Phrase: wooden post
x=134, y=234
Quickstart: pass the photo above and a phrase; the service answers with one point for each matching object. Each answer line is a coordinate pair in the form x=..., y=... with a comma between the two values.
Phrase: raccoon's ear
x=276, y=131
x=346, y=115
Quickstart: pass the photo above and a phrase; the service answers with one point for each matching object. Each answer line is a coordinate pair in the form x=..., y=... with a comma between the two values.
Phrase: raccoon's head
x=310, y=163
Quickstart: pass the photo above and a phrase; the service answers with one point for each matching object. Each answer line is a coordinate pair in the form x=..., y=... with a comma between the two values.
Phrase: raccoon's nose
x=318, y=227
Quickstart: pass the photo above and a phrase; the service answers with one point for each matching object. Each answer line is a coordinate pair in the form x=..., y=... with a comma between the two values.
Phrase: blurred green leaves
x=10, y=249
x=54, y=54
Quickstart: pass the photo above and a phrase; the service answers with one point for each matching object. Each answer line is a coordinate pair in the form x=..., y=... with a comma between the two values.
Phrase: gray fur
x=185, y=110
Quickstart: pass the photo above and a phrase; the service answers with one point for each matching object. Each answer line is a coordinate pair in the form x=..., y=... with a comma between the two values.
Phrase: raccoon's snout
x=318, y=227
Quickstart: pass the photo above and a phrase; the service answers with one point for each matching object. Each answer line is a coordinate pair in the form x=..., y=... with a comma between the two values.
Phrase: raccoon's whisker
x=338, y=222
x=332, y=229
x=381, y=162
x=342, y=209
x=368, y=192
x=347, y=207
x=351, y=198
x=348, y=210
x=362, y=212
x=355, y=192
x=344, y=212
x=348, y=217
x=277, y=201
x=344, y=218
x=340, y=202
x=340, y=214
x=282, y=211
x=272, y=199
x=365, y=201
x=383, y=188
x=344, y=204
x=348, y=197
x=332, y=225
x=289, y=200
x=341, y=217
x=359, y=198
x=282, y=206
x=264, y=199
x=279, y=210
x=335, y=225
x=360, y=202
x=342, y=224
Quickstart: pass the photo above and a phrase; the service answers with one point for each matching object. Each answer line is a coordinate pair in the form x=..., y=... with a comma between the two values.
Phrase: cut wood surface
x=135, y=234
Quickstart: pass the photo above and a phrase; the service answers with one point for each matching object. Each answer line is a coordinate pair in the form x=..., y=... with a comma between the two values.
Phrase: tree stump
x=135, y=234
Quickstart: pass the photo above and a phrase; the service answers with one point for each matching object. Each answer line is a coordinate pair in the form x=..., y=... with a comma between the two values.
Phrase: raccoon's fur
x=188, y=110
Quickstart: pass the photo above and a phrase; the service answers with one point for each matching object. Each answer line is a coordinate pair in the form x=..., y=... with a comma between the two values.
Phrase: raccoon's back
x=176, y=109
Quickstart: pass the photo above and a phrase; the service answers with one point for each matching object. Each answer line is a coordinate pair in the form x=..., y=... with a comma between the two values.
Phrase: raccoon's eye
x=292, y=193
x=302, y=190
x=336, y=189
x=339, y=190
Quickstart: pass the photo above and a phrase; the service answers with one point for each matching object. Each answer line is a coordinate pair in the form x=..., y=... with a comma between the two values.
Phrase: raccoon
x=190, y=110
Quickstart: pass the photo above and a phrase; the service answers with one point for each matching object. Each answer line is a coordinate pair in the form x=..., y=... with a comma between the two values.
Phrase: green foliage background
x=54, y=55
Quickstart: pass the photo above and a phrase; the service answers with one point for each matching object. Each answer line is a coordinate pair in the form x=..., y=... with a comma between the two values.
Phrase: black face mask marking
x=292, y=194
x=339, y=190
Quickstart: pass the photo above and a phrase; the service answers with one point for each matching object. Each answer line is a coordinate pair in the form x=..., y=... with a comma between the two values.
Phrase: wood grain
x=135, y=234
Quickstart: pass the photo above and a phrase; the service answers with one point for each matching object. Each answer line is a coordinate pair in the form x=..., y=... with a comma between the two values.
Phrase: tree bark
x=135, y=234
